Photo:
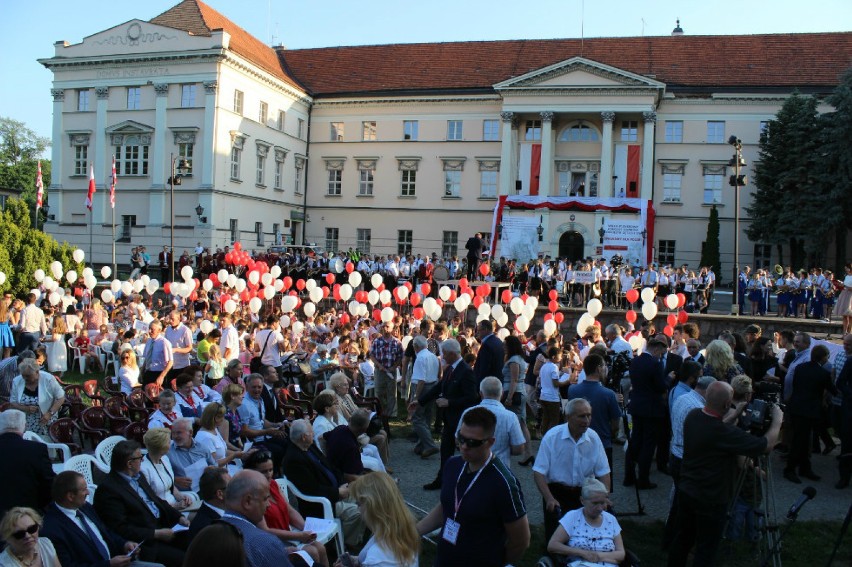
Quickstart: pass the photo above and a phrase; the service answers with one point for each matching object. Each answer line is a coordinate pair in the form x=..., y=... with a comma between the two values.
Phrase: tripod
x=769, y=542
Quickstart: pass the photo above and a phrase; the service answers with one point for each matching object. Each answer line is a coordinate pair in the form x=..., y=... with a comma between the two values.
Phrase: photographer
x=709, y=468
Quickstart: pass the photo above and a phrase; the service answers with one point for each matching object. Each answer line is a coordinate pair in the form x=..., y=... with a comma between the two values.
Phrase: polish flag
x=40, y=187
x=112, y=185
x=91, y=194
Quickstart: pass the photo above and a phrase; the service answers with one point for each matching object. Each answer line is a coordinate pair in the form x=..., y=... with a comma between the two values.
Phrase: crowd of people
x=222, y=429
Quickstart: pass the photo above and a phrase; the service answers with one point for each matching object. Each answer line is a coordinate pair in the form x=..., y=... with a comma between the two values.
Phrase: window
x=450, y=244
x=715, y=132
x=238, y=102
x=132, y=157
x=410, y=129
x=454, y=129
x=579, y=132
x=81, y=160
x=368, y=131
x=532, y=133
x=134, y=98
x=666, y=252
x=258, y=231
x=276, y=233
x=187, y=96
x=713, y=188
x=263, y=113
x=236, y=156
x=332, y=237
x=260, y=175
x=671, y=187
x=629, y=131
x=185, y=153
x=127, y=224
x=281, y=119
x=409, y=182
x=762, y=256
x=491, y=130
x=404, y=239
x=362, y=240
x=764, y=129
x=365, y=185
x=674, y=131
x=301, y=129
x=278, y=182
x=488, y=184
x=337, y=131
x=234, y=229
x=300, y=166
x=452, y=183
x=335, y=181
x=83, y=100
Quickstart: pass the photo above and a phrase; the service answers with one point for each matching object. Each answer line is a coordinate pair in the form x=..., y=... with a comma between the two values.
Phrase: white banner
x=519, y=239
x=585, y=278
x=623, y=237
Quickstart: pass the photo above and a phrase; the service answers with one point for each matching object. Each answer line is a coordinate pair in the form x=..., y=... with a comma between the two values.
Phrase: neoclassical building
x=563, y=147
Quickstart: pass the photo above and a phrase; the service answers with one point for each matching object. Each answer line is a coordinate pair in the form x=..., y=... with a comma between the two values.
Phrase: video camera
x=757, y=416
x=616, y=261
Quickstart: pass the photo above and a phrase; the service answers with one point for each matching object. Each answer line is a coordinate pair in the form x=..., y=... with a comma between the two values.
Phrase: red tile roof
x=197, y=18
x=688, y=63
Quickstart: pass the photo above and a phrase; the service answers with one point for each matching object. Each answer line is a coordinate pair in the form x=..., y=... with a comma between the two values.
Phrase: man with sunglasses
x=481, y=512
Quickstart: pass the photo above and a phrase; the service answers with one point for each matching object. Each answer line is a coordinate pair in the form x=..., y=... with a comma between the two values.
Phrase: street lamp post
x=179, y=169
x=736, y=180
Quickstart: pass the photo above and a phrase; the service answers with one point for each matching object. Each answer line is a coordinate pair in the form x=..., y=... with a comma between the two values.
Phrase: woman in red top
x=280, y=516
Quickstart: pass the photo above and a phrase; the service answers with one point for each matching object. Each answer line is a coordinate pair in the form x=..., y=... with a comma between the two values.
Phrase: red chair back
x=136, y=431
x=152, y=393
x=115, y=407
x=136, y=398
x=62, y=430
x=91, y=387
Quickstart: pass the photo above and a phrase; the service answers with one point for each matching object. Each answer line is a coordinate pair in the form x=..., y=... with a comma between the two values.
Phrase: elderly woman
x=210, y=438
x=38, y=395
x=346, y=406
x=165, y=414
x=720, y=362
x=24, y=548
x=233, y=375
x=157, y=469
x=326, y=405
x=589, y=534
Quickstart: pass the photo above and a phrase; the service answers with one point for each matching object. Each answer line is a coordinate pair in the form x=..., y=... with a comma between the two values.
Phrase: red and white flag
x=90, y=196
x=40, y=187
x=112, y=185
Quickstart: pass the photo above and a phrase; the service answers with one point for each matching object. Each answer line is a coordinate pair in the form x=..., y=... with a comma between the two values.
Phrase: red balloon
x=193, y=296
x=325, y=291
x=559, y=317
x=214, y=279
x=487, y=290
x=453, y=295
x=237, y=246
x=630, y=315
x=377, y=314
x=418, y=312
x=300, y=284
x=414, y=298
x=229, y=258
x=381, y=288
x=440, y=302
x=484, y=269
x=196, y=283
x=668, y=331
x=524, y=297
x=336, y=293
x=671, y=319
x=244, y=296
x=481, y=291
x=463, y=283
x=553, y=294
x=682, y=317
x=477, y=301
x=681, y=300
x=408, y=286
x=223, y=299
x=597, y=323
x=344, y=319
x=361, y=296
x=329, y=278
x=288, y=282
x=167, y=287
x=506, y=296
x=632, y=295
x=553, y=306
x=250, y=264
x=548, y=316
x=349, y=267
x=425, y=288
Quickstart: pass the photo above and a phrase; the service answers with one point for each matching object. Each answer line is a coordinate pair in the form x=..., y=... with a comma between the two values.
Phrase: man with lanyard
x=255, y=426
x=158, y=355
x=481, y=512
x=180, y=337
x=386, y=353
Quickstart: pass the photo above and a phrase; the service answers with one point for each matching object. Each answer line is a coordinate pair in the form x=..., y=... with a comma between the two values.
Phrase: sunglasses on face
x=470, y=443
x=21, y=534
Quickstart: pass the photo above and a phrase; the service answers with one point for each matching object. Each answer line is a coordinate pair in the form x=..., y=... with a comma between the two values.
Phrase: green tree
x=20, y=150
x=710, y=255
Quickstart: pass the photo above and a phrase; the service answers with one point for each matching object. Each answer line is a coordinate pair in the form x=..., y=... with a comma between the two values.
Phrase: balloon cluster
x=673, y=301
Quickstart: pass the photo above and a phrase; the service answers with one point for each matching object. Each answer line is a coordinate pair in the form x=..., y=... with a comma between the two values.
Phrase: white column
x=207, y=137
x=161, y=166
x=545, y=176
x=98, y=157
x=647, y=179
x=507, y=155
x=605, y=188
x=54, y=192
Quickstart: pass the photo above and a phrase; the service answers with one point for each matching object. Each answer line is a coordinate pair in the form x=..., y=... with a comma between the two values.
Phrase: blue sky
x=28, y=29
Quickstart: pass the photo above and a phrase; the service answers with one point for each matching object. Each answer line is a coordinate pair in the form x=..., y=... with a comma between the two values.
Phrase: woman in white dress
x=57, y=349
x=210, y=438
x=157, y=469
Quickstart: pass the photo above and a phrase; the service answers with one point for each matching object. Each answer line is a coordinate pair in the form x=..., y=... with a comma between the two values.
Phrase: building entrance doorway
x=571, y=245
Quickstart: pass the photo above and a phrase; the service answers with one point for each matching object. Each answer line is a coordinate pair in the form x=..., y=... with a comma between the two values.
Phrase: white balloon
x=56, y=269
x=298, y=327
x=376, y=280
x=528, y=311
x=255, y=304
x=38, y=275
x=230, y=306
x=115, y=285
x=481, y=317
x=635, y=342
x=373, y=297
x=71, y=276
x=532, y=300
x=594, y=307
x=496, y=311
x=402, y=292
x=78, y=255
x=206, y=326
x=138, y=285
x=207, y=285
x=310, y=284
x=484, y=310
x=126, y=288
x=405, y=340
x=186, y=273
x=106, y=296
x=145, y=279
x=503, y=333
x=106, y=272
x=460, y=304
x=648, y=294
x=275, y=271
x=444, y=292
x=516, y=305
x=315, y=294
x=268, y=292
x=254, y=277
x=175, y=288
x=66, y=301
x=435, y=314
x=584, y=323
x=428, y=304
x=363, y=310
x=354, y=308
x=284, y=321
x=522, y=323
x=266, y=279
x=671, y=301
x=288, y=303
x=385, y=296
x=278, y=285
x=550, y=327
x=240, y=285
x=649, y=310
x=222, y=275
x=387, y=314
x=152, y=286
x=345, y=292
x=230, y=280
x=88, y=272
x=503, y=319
x=54, y=298
x=355, y=279
x=337, y=265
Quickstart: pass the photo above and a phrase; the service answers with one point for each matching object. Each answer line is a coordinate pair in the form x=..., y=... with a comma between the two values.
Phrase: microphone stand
x=775, y=551
x=843, y=529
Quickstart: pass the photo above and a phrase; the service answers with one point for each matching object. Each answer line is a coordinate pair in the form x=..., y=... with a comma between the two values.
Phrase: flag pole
x=115, y=273
x=91, y=222
x=112, y=182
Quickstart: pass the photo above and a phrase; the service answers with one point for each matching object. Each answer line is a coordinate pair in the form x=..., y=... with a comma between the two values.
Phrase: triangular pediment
x=579, y=72
x=129, y=127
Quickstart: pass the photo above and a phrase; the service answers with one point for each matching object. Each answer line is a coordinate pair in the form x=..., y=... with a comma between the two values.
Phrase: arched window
x=579, y=132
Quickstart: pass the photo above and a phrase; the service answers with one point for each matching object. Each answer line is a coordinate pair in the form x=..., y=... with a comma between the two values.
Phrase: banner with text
x=624, y=238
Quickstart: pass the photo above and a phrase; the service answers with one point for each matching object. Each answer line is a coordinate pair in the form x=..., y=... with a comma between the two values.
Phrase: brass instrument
x=778, y=269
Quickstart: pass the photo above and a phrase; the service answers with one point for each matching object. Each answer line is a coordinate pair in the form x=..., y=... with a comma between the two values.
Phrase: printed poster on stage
x=519, y=239
x=624, y=238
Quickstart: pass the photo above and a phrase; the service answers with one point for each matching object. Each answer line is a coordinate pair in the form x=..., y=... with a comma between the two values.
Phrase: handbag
x=255, y=362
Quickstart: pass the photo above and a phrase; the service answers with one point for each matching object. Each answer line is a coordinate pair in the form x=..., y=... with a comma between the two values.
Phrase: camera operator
x=743, y=519
x=708, y=471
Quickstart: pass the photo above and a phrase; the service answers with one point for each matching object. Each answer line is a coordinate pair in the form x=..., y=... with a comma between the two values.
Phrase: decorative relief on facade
x=714, y=168
x=79, y=138
x=184, y=137
x=57, y=94
x=546, y=116
x=607, y=116
x=453, y=164
x=210, y=87
x=579, y=166
x=280, y=154
x=262, y=148
x=649, y=117
x=334, y=164
x=408, y=163
x=507, y=116
x=134, y=35
x=102, y=92
x=677, y=168
x=366, y=163
x=300, y=162
x=162, y=89
x=239, y=141
x=489, y=164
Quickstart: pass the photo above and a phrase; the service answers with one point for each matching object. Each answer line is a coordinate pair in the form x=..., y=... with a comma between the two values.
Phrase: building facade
x=413, y=148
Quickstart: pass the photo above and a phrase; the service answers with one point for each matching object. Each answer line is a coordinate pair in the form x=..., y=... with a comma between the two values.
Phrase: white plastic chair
x=327, y=513
x=91, y=497
x=104, y=449
x=79, y=358
x=59, y=453
x=84, y=464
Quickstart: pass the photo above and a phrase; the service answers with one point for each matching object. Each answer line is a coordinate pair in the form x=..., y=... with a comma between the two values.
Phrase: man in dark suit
x=80, y=537
x=693, y=347
x=455, y=392
x=475, y=245
x=211, y=489
x=270, y=402
x=647, y=407
x=308, y=469
x=672, y=363
x=491, y=356
x=126, y=502
x=25, y=466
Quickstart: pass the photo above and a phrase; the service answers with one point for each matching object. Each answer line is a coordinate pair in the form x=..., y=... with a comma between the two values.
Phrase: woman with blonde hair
x=210, y=438
x=24, y=548
x=157, y=469
x=720, y=363
x=215, y=367
x=7, y=339
x=128, y=373
x=395, y=540
x=346, y=406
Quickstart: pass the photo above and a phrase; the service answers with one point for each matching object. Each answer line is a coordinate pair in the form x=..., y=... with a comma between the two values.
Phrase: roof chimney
x=678, y=30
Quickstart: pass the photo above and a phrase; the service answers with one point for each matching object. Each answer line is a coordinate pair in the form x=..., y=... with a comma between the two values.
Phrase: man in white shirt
x=268, y=344
x=180, y=337
x=423, y=376
x=33, y=325
x=229, y=344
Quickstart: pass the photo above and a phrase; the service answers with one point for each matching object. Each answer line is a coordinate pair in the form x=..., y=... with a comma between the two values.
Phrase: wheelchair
x=630, y=560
